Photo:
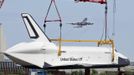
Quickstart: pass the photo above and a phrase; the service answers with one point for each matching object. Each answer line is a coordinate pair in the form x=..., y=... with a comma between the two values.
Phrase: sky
x=15, y=31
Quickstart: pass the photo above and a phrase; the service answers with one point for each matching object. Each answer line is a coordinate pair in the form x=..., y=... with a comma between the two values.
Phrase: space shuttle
x=42, y=53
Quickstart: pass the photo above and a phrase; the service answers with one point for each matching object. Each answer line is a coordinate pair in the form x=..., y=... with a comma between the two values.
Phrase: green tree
x=94, y=72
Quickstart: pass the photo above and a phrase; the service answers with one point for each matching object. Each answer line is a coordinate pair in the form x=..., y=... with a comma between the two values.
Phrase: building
x=2, y=43
x=9, y=67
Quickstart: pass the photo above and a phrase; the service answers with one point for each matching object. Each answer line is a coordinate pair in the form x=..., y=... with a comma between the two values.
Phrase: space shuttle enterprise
x=42, y=53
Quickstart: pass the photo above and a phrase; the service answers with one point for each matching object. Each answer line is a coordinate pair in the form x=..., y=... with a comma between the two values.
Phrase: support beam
x=119, y=72
x=59, y=50
x=87, y=71
x=100, y=42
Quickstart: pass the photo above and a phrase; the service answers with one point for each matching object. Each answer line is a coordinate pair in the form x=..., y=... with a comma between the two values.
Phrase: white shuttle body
x=42, y=53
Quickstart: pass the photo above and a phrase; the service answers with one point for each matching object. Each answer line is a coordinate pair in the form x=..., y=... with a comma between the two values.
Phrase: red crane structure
x=1, y=3
x=94, y=1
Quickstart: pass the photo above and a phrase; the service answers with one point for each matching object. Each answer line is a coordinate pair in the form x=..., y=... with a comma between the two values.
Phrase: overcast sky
x=70, y=11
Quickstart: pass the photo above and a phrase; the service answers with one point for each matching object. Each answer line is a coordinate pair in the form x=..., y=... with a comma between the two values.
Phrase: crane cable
x=114, y=17
x=60, y=42
x=105, y=30
x=55, y=20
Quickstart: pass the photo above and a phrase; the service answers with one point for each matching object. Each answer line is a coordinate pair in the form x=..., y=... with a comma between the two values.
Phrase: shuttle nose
x=124, y=62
